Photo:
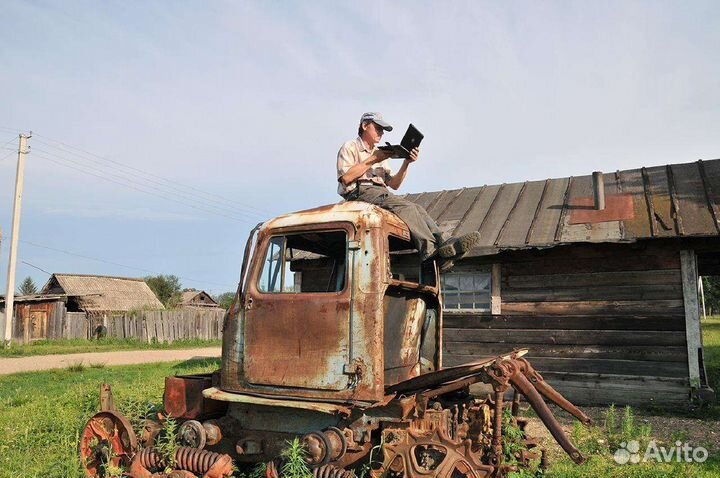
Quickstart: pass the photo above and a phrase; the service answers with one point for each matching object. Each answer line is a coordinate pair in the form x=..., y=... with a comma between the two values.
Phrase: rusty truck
x=335, y=337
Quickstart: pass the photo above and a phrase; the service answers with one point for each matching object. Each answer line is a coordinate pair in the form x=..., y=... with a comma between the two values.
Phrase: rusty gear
x=108, y=438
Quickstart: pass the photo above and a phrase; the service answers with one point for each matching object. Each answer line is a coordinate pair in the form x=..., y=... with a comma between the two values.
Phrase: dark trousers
x=424, y=231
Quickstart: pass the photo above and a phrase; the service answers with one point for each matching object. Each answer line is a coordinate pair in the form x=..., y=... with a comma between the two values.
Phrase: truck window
x=405, y=264
x=305, y=262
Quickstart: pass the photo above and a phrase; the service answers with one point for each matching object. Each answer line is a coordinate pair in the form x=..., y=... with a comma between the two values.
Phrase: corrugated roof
x=104, y=293
x=677, y=200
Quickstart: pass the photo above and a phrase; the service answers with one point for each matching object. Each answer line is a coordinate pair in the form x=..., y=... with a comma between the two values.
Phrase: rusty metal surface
x=617, y=208
x=323, y=407
x=183, y=397
x=661, y=201
x=207, y=463
x=320, y=345
x=451, y=373
x=108, y=437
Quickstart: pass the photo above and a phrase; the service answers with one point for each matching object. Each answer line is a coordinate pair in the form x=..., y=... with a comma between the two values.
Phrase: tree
x=711, y=289
x=166, y=288
x=225, y=299
x=27, y=287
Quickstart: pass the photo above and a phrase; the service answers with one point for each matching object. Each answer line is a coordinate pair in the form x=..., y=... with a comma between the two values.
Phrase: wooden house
x=197, y=298
x=102, y=295
x=605, y=298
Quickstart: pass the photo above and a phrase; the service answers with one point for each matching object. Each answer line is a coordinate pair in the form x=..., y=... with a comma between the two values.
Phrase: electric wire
x=159, y=179
x=8, y=142
x=36, y=267
x=63, y=162
x=8, y=155
x=197, y=195
x=104, y=261
x=148, y=188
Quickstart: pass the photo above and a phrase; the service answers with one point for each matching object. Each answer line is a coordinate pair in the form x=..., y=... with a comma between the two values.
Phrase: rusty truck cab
x=334, y=305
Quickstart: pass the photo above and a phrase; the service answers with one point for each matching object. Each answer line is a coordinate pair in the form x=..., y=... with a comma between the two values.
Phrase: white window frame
x=482, y=297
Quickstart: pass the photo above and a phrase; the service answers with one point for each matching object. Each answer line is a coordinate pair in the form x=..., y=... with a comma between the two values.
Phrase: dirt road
x=123, y=357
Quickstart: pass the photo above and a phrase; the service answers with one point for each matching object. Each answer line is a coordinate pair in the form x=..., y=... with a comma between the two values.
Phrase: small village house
x=197, y=298
x=68, y=300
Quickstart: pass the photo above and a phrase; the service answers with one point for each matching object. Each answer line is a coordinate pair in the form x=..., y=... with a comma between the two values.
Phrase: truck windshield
x=305, y=262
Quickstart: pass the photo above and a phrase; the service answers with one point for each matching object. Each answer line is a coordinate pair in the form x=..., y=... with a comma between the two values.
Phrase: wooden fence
x=149, y=325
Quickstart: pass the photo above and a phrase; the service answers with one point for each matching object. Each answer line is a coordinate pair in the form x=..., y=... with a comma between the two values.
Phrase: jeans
x=424, y=231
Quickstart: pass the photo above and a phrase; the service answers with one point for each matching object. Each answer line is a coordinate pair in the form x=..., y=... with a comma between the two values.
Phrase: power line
x=7, y=155
x=147, y=188
x=55, y=249
x=8, y=142
x=169, y=183
x=60, y=162
x=36, y=267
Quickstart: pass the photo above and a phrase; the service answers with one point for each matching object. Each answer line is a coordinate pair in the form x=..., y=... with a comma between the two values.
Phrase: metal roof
x=676, y=200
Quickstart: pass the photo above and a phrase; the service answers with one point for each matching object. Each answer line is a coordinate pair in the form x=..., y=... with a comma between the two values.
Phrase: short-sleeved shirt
x=354, y=152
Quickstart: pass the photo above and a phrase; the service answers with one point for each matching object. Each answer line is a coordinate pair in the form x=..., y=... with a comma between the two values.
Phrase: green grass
x=601, y=442
x=71, y=346
x=42, y=413
x=711, y=342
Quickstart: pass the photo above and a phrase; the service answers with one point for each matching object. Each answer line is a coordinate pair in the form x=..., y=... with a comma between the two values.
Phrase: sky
x=164, y=131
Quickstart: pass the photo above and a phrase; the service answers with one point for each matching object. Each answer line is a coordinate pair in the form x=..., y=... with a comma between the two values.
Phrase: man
x=364, y=174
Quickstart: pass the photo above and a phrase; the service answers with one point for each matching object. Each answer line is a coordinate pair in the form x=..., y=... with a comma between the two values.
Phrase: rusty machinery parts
x=436, y=431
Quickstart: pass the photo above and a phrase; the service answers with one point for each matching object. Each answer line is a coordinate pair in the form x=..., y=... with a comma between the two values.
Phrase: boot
x=458, y=247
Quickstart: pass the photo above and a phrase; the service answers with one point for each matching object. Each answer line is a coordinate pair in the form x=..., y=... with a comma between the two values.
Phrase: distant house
x=98, y=295
x=197, y=298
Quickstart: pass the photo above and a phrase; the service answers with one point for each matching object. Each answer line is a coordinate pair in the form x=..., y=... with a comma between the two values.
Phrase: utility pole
x=15, y=235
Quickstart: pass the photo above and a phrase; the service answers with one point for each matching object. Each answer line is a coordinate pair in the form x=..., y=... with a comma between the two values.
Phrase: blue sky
x=232, y=112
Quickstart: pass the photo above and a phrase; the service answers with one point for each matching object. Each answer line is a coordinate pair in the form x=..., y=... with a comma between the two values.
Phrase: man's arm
x=357, y=170
x=396, y=180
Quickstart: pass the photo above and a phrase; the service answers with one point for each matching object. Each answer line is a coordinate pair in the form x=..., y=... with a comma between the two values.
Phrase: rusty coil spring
x=330, y=471
x=190, y=459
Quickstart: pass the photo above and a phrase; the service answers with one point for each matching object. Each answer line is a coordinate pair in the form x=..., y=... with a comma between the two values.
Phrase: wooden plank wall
x=152, y=325
x=604, y=323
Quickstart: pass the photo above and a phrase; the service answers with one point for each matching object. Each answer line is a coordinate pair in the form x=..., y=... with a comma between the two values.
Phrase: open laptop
x=411, y=140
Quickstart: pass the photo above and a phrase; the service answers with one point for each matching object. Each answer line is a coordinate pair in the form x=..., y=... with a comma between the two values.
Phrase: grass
x=42, y=413
x=617, y=430
x=70, y=346
x=711, y=339
x=601, y=442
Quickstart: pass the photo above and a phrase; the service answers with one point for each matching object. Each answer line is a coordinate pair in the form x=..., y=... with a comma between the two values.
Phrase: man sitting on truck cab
x=364, y=174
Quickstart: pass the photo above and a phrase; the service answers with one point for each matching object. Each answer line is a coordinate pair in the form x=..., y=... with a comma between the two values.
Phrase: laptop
x=411, y=140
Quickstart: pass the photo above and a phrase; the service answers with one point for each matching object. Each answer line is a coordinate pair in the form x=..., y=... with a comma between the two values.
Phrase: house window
x=466, y=291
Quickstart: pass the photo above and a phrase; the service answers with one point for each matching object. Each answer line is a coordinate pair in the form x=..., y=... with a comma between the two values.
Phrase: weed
x=75, y=367
x=167, y=443
x=294, y=465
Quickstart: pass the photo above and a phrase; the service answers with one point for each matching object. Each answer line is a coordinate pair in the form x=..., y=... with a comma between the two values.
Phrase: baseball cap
x=377, y=119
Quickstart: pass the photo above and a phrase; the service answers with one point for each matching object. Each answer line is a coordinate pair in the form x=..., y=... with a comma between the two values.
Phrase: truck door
x=297, y=310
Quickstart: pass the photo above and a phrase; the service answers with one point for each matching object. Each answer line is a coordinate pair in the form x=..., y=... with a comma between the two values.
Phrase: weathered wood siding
x=151, y=325
x=50, y=316
x=604, y=323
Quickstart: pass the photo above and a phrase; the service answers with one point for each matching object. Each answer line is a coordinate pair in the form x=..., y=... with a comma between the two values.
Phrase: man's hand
x=379, y=156
x=414, y=155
